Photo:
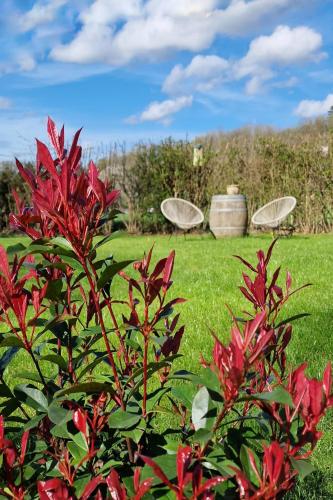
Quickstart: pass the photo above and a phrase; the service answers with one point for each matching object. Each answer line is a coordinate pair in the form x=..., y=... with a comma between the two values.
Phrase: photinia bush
x=97, y=373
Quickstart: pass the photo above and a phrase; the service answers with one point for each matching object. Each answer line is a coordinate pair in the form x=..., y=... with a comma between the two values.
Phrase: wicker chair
x=182, y=213
x=274, y=213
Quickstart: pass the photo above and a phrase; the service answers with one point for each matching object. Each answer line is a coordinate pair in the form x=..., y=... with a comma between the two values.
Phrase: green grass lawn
x=208, y=276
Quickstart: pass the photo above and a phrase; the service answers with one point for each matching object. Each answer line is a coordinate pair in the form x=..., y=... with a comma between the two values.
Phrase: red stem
x=106, y=341
x=145, y=363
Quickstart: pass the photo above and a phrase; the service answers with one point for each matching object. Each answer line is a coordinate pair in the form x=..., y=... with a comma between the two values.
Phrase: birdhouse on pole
x=198, y=155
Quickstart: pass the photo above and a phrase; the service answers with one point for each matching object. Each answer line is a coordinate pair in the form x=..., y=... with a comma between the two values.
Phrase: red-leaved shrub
x=96, y=370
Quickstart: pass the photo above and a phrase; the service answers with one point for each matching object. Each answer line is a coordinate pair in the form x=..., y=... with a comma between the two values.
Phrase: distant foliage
x=269, y=165
x=86, y=421
x=153, y=172
x=9, y=180
x=265, y=163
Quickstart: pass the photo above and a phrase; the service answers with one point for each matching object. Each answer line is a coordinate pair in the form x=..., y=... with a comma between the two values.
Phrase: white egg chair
x=274, y=213
x=182, y=213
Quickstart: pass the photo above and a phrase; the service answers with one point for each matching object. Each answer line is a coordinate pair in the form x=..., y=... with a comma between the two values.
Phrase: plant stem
x=38, y=369
x=106, y=341
x=218, y=421
x=145, y=377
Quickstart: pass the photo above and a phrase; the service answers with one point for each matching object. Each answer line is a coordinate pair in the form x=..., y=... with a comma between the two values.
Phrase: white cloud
x=311, y=108
x=40, y=13
x=202, y=74
x=107, y=11
x=161, y=110
x=26, y=61
x=5, y=103
x=286, y=84
x=285, y=47
x=116, y=32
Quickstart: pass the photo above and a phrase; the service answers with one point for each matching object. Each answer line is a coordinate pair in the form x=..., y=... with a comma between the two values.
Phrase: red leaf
x=80, y=420
x=26, y=174
x=53, y=489
x=74, y=151
x=168, y=268
x=44, y=158
x=2, y=428
x=112, y=197
x=62, y=138
x=247, y=295
x=327, y=380
x=117, y=491
x=53, y=135
x=269, y=252
x=158, y=268
x=144, y=488
x=184, y=456
x=24, y=443
x=273, y=461
x=247, y=264
x=91, y=486
x=252, y=327
x=136, y=478
x=4, y=265
x=210, y=484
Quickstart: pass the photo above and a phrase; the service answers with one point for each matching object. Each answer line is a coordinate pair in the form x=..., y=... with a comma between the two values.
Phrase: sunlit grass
x=208, y=276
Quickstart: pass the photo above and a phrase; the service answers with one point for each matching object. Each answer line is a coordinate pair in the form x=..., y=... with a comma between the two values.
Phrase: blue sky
x=131, y=70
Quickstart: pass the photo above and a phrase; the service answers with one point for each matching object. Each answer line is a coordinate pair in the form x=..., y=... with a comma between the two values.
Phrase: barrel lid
x=217, y=197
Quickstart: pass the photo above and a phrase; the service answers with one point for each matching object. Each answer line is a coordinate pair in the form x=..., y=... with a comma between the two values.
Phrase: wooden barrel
x=228, y=215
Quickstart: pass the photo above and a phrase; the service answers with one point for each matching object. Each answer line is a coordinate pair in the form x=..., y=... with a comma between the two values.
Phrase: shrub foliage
x=265, y=163
x=86, y=421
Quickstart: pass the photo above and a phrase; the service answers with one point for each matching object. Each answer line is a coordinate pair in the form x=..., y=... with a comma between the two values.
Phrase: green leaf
x=303, y=467
x=167, y=464
x=80, y=441
x=7, y=357
x=292, y=318
x=33, y=422
x=57, y=360
x=17, y=248
x=5, y=392
x=32, y=376
x=62, y=243
x=87, y=388
x=107, y=238
x=76, y=451
x=278, y=395
x=224, y=467
x=201, y=436
x=155, y=397
x=247, y=468
x=111, y=271
x=61, y=431
x=31, y=396
x=58, y=415
x=200, y=406
x=171, y=447
x=71, y=261
x=183, y=396
x=123, y=420
x=91, y=366
x=11, y=341
x=135, y=434
x=54, y=288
